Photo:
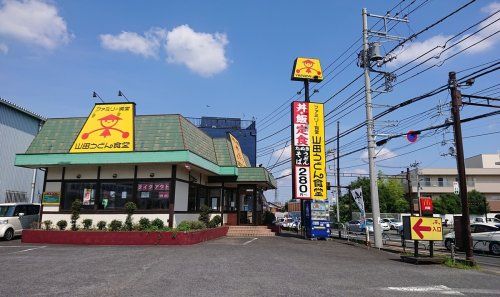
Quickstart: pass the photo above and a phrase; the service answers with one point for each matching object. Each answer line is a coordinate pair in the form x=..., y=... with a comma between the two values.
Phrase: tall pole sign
x=308, y=136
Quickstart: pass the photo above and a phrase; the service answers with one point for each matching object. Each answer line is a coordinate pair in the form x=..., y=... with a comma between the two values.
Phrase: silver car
x=14, y=217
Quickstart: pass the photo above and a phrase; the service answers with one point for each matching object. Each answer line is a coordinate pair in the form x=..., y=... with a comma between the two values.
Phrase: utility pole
x=456, y=103
x=377, y=230
x=338, y=175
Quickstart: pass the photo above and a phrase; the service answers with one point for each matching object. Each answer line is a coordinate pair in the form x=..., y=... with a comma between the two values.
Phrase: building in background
x=483, y=175
x=243, y=130
x=18, y=128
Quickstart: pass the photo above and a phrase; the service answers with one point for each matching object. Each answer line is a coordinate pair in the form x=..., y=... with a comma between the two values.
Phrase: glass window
x=202, y=196
x=114, y=195
x=6, y=211
x=440, y=182
x=229, y=200
x=193, y=191
x=33, y=210
x=20, y=209
x=427, y=181
x=85, y=192
x=153, y=195
x=215, y=198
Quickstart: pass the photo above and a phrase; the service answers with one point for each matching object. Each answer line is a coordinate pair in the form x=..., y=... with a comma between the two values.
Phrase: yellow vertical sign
x=108, y=128
x=238, y=154
x=317, y=151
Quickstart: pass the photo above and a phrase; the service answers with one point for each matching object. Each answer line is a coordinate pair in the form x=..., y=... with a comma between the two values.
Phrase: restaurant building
x=164, y=163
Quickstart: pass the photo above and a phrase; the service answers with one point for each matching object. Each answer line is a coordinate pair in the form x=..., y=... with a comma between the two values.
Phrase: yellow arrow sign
x=426, y=228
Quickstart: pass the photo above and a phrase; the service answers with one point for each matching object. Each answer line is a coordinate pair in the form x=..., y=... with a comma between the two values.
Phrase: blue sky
x=235, y=57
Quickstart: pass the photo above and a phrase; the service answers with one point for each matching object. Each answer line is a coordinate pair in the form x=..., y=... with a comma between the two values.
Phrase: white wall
x=85, y=172
x=122, y=171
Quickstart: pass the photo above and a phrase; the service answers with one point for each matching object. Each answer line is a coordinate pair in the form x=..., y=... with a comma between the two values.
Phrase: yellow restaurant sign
x=307, y=69
x=109, y=128
x=238, y=154
x=423, y=228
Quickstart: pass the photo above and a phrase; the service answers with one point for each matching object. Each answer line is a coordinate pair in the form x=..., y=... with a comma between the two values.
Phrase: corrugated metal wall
x=17, y=130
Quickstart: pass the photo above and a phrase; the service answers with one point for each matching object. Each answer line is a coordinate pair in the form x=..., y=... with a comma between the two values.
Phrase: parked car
x=383, y=225
x=393, y=223
x=14, y=217
x=354, y=226
x=485, y=237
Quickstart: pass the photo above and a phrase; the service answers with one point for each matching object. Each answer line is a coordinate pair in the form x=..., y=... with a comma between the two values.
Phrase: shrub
x=269, y=217
x=144, y=224
x=184, y=226
x=87, y=224
x=47, y=224
x=205, y=214
x=130, y=207
x=76, y=207
x=157, y=223
x=115, y=225
x=215, y=222
x=101, y=225
x=197, y=225
x=190, y=225
x=62, y=224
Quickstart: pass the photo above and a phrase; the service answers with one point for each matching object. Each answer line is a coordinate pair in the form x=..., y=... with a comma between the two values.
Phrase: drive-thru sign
x=426, y=228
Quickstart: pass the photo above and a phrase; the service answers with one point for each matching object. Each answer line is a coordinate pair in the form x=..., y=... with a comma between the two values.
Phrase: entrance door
x=247, y=203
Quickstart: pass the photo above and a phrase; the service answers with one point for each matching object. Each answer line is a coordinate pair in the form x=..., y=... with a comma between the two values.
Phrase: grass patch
x=459, y=264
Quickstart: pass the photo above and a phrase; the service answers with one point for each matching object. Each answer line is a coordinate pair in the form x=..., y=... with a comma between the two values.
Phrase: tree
x=477, y=203
x=447, y=204
x=392, y=196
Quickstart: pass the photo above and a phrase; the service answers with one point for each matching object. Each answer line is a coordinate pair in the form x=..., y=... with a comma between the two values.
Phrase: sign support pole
x=306, y=90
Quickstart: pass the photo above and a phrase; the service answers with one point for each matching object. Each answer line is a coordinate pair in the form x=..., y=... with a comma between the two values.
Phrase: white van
x=14, y=217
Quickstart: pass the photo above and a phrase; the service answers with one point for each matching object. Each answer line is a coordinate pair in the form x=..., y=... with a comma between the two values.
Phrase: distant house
x=483, y=175
x=18, y=128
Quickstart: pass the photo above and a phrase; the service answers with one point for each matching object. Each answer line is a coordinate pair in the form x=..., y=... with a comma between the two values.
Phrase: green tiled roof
x=253, y=174
x=158, y=138
x=224, y=152
x=152, y=133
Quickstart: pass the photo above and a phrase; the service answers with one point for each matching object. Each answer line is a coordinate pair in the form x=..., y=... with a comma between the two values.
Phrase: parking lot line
x=247, y=242
x=27, y=250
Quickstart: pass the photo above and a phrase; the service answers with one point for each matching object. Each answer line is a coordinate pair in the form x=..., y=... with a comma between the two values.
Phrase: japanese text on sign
x=308, y=151
x=109, y=128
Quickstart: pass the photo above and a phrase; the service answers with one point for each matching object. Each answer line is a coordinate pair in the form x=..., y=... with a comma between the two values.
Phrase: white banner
x=357, y=194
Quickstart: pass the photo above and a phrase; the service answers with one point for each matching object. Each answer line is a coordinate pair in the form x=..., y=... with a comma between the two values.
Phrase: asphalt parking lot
x=276, y=266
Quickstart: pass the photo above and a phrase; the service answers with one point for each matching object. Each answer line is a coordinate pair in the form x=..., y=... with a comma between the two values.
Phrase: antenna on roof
x=95, y=95
x=120, y=94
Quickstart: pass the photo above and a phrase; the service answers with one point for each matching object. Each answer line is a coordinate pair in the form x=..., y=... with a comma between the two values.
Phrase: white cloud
x=33, y=21
x=360, y=171
x=381, y=154
x=147, y=45
x=285, y=153
x=4, y=49
x=438, y=43
x=203, y=53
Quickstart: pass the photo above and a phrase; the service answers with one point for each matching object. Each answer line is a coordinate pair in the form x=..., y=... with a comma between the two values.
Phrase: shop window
x=192, y=194
x=202, y=197
x=153, y=195
x=229, y=200
x=85, y=192
x=114, y=195
x=215, y=198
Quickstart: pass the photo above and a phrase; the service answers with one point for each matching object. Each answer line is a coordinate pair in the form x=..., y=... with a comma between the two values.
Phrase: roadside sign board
x=307, y=69
x=308, y=151
x=51, y=198
x=456, y=188
x=426, y=207
x=422, y=228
